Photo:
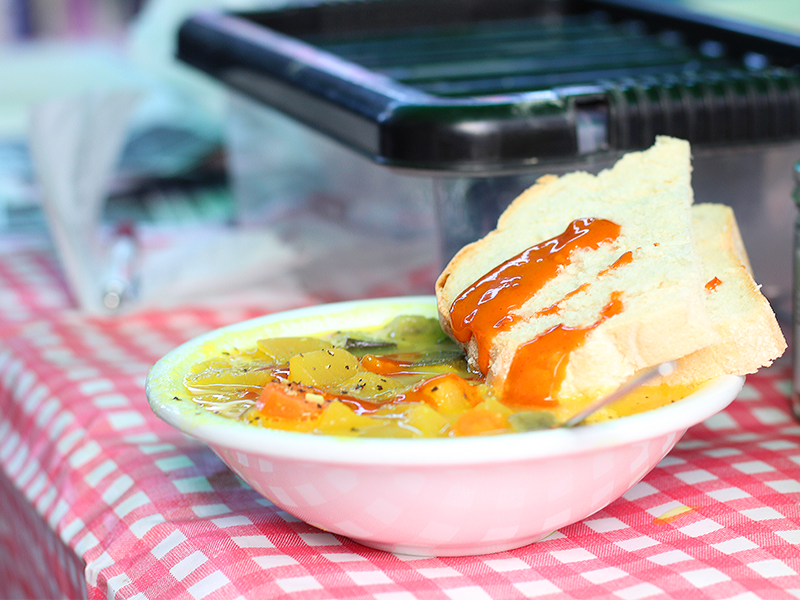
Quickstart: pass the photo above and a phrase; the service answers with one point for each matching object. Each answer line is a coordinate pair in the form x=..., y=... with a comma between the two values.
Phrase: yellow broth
x=405, y=379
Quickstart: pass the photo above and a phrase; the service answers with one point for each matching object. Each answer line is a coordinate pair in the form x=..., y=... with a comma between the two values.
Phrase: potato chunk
x=448, y=394
x=281, y=349
x=323, y=368
x=427, y=420
x=366, y=385
x=339, y=419
x=222, y=374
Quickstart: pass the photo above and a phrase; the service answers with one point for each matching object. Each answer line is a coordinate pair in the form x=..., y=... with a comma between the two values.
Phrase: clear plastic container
x=360, y=227
x=356, y=229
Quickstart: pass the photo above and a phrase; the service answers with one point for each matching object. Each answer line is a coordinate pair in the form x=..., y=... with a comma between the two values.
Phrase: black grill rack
x=491, y=87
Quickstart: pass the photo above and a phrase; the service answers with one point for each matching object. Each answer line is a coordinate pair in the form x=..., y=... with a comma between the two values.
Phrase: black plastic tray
x=492, y=87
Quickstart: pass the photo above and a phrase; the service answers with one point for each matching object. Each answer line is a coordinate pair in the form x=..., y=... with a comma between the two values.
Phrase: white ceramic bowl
x=435, y=497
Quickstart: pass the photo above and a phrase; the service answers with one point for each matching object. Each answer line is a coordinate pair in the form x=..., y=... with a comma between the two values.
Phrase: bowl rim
x=221, y=432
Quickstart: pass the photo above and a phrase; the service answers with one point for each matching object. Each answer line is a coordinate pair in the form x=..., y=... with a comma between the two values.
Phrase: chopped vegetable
x=280, y=350
x=289, y=402
x=478, y=421
x=340, y=419
x=404, y=379
x=449, y=393
x=367, y=385
x=531, y=420
x=322, y=368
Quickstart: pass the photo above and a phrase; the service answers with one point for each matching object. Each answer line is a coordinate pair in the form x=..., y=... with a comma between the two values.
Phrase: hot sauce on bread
x=590, y=315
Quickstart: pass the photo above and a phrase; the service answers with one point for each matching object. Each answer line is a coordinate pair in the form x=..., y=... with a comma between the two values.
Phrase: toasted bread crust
x=750, y=336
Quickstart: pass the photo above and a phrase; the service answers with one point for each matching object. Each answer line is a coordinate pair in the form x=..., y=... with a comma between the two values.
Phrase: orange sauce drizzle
x=713, y=284
x=556, y=307
x=486, y=307
x=625, y=259
x=539, y=365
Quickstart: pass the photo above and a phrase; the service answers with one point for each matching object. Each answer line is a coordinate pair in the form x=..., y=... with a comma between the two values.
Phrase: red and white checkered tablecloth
x=99, y=497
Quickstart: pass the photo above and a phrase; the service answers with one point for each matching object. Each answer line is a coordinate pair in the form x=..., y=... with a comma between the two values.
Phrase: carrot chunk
x=479, y=421
x=289, y=403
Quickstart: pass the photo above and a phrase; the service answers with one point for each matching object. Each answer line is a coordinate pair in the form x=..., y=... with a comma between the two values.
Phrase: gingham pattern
x=154, y=514
x=31, y=285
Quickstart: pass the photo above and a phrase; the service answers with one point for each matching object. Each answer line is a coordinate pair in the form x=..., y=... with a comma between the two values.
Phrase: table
x=100, y=498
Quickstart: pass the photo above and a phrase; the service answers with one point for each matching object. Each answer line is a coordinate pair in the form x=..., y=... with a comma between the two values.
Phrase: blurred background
x=28, y=19
x=101, y=128
x=109, y=145
x=22, y=20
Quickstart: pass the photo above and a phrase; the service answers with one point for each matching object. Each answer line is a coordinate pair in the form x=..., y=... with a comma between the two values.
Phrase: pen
x=121, y=285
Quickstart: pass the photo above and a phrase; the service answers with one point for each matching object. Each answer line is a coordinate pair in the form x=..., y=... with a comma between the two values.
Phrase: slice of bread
x=750, y=336
x=661, y=290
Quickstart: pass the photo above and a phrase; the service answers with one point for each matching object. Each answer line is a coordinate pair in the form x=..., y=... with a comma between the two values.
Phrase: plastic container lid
x=486, y=88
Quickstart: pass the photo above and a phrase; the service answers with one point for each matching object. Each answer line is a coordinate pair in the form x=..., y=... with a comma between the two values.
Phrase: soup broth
x=404, y=379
